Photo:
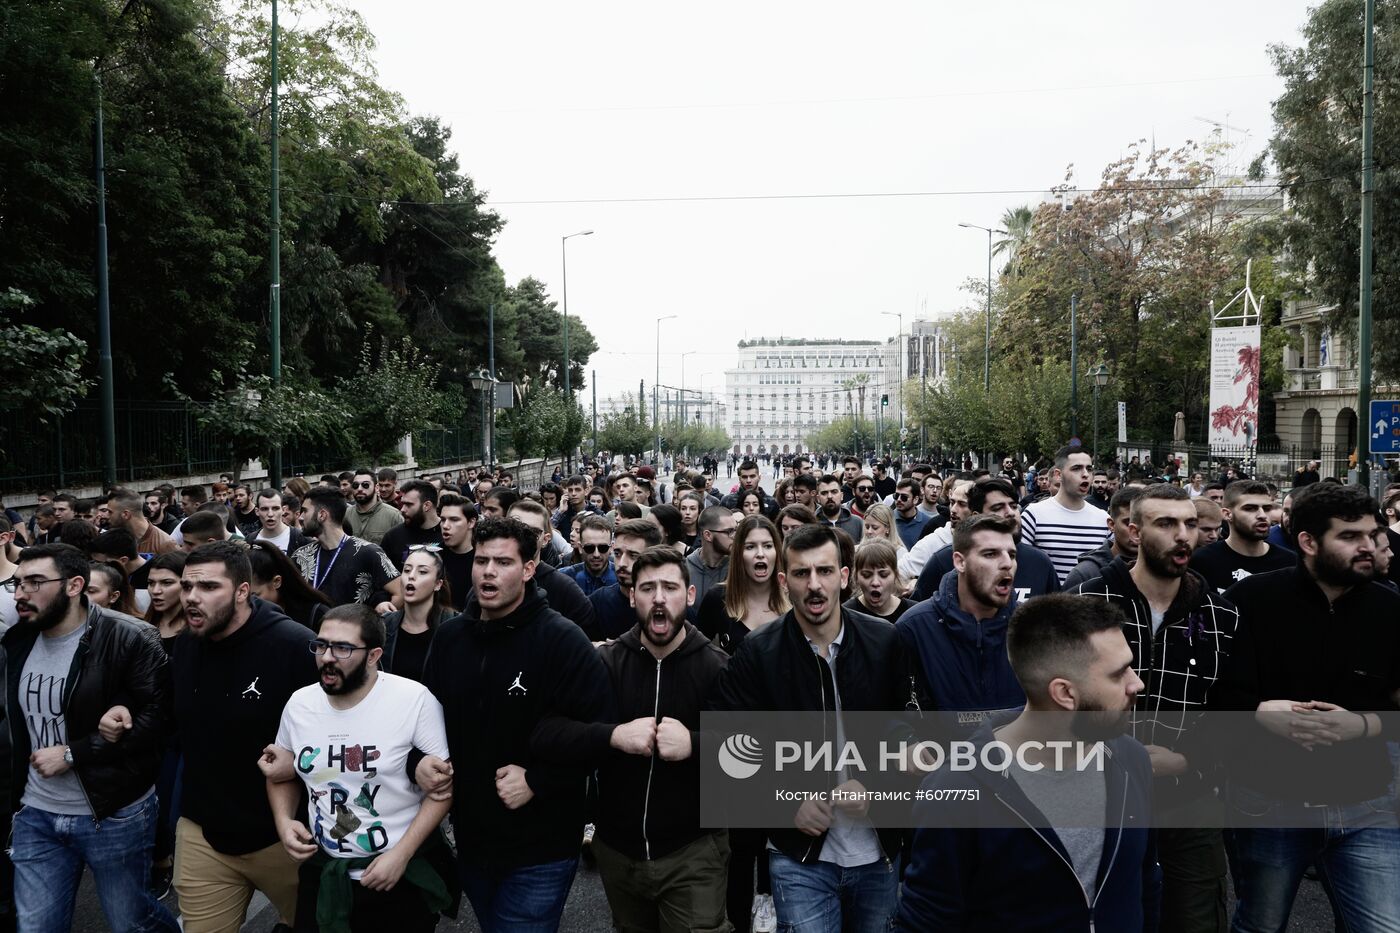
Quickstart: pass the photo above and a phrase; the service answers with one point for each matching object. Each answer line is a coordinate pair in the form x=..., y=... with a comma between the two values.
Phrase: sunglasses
x=596, y=548
x=865, y=489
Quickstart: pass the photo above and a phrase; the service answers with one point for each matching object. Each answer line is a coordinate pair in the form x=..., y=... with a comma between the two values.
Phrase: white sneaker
x=588, y=830
x=765, y=916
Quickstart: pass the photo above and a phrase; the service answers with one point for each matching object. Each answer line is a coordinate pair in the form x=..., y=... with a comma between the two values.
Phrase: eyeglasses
x=595, y=548
x=724, y=531
x=32, y=584
x=339, y=650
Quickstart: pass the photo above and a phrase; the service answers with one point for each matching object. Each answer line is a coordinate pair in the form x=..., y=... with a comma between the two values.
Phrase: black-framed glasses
x=363, y=485
x=865, y=489
x=595, y=548
x=902, y=497
x=339, y=650
x=32, y=584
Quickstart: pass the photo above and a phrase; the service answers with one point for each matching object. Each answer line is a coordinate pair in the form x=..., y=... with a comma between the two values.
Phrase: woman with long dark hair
x=427, y=603
x=750, y=597
x=278, y=581
x=167, y=609
x=669, y=518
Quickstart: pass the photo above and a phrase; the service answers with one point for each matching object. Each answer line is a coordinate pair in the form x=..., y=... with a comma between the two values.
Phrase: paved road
x=587, y=907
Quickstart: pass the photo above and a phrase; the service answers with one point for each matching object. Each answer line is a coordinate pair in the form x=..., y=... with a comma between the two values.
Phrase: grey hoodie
x=703, y=577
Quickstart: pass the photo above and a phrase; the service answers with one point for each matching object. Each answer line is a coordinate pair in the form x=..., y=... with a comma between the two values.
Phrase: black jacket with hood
x=497, y=680
x=118, y=660
x=648, y=808
x=229, y=696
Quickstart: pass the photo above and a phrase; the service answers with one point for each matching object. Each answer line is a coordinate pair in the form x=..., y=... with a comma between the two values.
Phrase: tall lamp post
x=656, y=391
x=1100, y=376
x=275, y=246
x=683, y=356
x=481, y=381
x=987, y=345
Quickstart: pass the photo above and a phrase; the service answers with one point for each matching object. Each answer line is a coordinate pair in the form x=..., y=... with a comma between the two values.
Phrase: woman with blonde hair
x=878, y=525
x=879, y=586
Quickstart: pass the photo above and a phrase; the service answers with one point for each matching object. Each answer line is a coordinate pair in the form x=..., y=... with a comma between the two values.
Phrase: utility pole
x=274, y=477
x=104, y=311
x=1368, y=168
x=1073, y=365
x=491, y=369
x=595, y=415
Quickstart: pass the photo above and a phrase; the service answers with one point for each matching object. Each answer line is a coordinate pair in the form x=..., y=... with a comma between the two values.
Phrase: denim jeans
x=826, y=898
x=1356, y=849
x=49, y=851
x=520, y=900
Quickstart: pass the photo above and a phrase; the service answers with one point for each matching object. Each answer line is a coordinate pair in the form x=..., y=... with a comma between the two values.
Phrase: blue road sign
x=1385, y=426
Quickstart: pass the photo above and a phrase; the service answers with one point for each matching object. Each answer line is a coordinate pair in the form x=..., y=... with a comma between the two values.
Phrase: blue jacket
x=955, y=662
x=1012, y=874
x=586, y=581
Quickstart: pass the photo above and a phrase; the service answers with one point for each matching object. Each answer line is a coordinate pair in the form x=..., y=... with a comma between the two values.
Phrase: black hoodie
x=229, y=696
x=496, y=681
x=648, y=808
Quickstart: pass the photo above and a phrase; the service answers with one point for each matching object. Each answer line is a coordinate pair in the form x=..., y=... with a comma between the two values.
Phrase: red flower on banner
x=1234, y=418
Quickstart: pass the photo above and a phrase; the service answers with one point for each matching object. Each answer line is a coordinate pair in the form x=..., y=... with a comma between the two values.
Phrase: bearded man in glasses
x=372, y=517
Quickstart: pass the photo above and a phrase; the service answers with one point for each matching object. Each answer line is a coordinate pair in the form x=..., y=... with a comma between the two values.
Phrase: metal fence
x=1269, y=460
x=159, y=440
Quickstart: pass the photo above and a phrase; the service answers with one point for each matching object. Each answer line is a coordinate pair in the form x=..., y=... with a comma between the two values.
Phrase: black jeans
x=400, y=909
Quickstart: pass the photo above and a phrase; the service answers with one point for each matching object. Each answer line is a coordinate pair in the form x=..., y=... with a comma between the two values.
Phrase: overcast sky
x=556, y=102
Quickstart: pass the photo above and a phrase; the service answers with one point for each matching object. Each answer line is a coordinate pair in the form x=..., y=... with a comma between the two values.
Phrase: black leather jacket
x=119, y=660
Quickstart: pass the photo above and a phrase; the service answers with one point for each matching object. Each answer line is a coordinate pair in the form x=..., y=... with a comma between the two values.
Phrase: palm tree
x=1017, y=222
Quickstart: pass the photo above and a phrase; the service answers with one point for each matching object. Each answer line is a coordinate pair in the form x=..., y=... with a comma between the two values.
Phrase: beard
x=1159, y=560
x=311, y=527
x=415, y=520
x=53, y=614
x=1247, y=531
x=214, y=622
x=674, y=626
x=1095, y=723
x=831, y=509
x=349, y=681
x=1329, y=568
x=983, y=589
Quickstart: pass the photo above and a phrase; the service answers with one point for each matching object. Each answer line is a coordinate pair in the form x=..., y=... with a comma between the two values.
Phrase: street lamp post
x=656, y=392
x=1100, y=376
x=987, y=345
x=683, y=408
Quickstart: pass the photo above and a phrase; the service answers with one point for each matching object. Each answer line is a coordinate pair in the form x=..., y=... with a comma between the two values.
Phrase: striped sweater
x=1063, y=533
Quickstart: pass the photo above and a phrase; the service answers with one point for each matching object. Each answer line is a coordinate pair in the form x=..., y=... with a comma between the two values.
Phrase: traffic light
x=884, y=401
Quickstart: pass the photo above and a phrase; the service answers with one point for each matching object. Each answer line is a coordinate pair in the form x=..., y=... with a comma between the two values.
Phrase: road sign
x=1122, y=422
x=1385, y=426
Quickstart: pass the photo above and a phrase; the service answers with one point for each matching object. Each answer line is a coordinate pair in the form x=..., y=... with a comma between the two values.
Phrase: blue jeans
x=1356, y=849
x=826, y=898
x=521, y=900
x=49, y=851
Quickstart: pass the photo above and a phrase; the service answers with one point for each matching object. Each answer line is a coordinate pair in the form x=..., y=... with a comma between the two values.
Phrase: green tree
x=544, y=424
x=1316, y=148
x=1017, y=222
x=45, y=379
x=393, y=392
x=626, y=431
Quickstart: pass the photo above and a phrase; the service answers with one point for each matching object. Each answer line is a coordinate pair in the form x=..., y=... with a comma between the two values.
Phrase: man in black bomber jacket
x=823, y=658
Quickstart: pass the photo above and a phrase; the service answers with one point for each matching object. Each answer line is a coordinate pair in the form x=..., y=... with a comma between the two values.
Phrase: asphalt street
x=587, y=908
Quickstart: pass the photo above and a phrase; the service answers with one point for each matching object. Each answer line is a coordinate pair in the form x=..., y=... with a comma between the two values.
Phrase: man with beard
x=518, y=807
x=956, y=640
x=613, y=604
x=241, y=507
x=829, y=861
x=935, y=537
x=1035, y=575
x=418, y=505
x=660, y=870
x=748, y=482
x=342, y=566
x=864, y=497
x=271, y=526
x=372, y=517
x=1064, y=525
x=831, y=511
x=233, y=669
x=1317, y=658
x=933, y=504
x=457, y=521
x=1180, y=631
x=1098, y=490
x=594, y=571
x=81, y=801
x=371, y=855
x=850, y=472
x=158, y=511
x=709, y=564
x=1002, y=874
x=1247, y=551
x=127, y=510
x=385, y=484
x=909, y=519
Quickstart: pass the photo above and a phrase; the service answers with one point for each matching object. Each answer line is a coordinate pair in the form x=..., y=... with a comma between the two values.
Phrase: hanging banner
x=1234, y=386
